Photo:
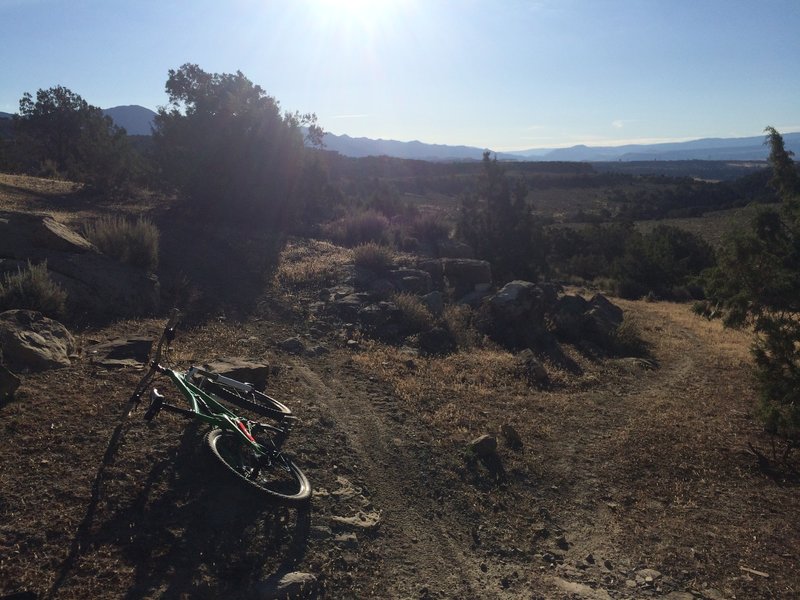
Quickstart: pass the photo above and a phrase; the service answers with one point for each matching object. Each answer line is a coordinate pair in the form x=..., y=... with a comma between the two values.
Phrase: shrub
x=131, y=242
x=459, y=320
x=33, y=289
x=373, y=257
x=360, y=228
x=415, y=315
x=429, y=228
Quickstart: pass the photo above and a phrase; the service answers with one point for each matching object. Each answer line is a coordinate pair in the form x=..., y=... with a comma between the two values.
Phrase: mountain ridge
x=137, y=120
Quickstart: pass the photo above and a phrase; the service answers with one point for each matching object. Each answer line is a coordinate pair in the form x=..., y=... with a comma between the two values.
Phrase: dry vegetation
x=626, y=464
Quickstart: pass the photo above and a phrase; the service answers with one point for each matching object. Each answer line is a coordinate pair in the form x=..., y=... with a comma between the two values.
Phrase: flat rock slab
x=241, y=370
x=120, y=352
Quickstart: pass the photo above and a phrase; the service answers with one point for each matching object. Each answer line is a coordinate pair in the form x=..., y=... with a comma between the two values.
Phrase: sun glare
x=367, y=15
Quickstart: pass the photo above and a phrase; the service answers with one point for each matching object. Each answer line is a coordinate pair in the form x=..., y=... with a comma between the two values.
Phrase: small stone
x=292, y=345
x=346, y=540
x=511, y=436
x=361, y=520
x=352, y=344
x=562, y=543
x=483, y=446
x=589, y=559
x=608, y=565
x=630, y=583
x=290, y=585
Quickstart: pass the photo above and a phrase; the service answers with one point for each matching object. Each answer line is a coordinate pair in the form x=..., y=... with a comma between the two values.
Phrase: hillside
x=634, y=478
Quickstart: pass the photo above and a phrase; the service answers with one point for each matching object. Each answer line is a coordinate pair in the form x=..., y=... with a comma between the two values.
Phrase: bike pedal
x=156, y=401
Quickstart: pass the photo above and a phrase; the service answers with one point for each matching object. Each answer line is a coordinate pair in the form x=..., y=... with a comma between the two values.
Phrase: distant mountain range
x=137, y=120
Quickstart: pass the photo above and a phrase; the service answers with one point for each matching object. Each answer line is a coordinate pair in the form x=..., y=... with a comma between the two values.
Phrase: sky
x=499, y=74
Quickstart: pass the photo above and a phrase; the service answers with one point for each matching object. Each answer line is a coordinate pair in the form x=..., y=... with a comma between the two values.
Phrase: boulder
x=434, y=268
x=434, y=302
x=97, y=285
x=103, y=288
x=29, y=341
x=348, y=306
x=568, y=317
x=415, y=281
x=8, y=383
x=255, y=373
x=120, y=352
x=603, y=316
x=576, y=320
x=516, y=315
x=454, y=249
x=292, y=345
x=27, y=236
x=463, y=274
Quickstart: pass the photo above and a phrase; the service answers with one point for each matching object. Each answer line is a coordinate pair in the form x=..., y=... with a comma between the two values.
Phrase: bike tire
x=283, y=483
x=255, y=401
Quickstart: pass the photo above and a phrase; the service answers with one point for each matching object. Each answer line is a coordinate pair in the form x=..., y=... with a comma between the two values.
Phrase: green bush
x=131, y=242
x=33, y=289
x=373, y=257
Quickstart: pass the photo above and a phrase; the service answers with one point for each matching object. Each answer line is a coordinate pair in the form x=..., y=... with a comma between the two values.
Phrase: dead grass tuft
x=374, y=257
x=415, y=315
x=313, y=264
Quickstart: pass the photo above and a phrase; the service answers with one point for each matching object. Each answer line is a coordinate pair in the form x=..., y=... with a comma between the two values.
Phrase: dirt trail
x=424, y=552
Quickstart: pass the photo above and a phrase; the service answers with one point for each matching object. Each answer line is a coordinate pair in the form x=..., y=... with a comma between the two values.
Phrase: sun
x=369, y=16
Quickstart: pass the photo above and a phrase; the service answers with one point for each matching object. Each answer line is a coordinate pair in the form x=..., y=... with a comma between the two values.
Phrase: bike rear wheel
x=275, y=477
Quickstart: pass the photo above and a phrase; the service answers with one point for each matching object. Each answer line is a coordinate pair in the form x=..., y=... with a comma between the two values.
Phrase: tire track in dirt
x=422, y=551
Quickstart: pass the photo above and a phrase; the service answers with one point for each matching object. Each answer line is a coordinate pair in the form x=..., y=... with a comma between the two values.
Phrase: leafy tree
x=498, y=223
x=62, y=129
x=225, y=145
x=757, y=282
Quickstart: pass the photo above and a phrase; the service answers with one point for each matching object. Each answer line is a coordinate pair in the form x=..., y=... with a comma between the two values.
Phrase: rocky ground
x=632, y=476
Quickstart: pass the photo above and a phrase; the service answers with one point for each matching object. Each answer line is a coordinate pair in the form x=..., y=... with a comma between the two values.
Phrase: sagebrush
x=134, y=242
x=32, y=288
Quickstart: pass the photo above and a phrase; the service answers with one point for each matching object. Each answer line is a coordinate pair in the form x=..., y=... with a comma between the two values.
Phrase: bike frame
x=202, y=405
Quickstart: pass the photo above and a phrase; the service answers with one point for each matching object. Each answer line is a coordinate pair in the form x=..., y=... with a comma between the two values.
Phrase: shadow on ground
x=186, y=530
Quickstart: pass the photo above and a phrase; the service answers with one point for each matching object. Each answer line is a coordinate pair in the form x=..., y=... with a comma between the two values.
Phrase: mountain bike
x=249, y=449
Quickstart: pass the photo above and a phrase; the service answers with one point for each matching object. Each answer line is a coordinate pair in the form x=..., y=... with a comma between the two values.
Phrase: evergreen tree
x=757, y=282
x=498, y=223
x=61, y=129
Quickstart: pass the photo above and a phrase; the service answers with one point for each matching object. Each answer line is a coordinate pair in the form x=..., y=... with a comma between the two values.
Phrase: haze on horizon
x=509, y=75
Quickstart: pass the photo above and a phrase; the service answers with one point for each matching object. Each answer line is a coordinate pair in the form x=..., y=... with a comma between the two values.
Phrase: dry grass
x=374, y=257
x=416, y=316
x=458, y=319
x=310, y=264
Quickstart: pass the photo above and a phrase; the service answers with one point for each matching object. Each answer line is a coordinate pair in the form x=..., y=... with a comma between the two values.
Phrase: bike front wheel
x=274, y=476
